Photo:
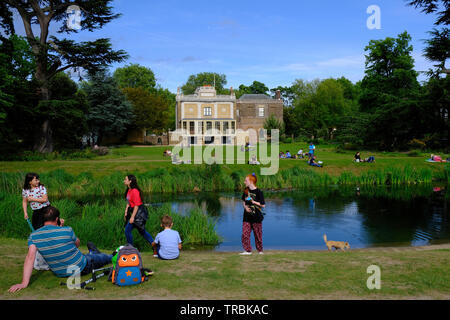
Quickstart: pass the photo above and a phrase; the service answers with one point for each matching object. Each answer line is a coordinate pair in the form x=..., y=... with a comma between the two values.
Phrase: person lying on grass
x=59, y=247
x=167, y=244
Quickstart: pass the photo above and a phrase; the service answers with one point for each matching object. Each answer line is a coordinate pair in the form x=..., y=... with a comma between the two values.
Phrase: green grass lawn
x=407, y=273
x=142, y=158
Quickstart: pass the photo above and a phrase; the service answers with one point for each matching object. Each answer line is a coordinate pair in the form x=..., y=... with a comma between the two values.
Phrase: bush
x=287, y=140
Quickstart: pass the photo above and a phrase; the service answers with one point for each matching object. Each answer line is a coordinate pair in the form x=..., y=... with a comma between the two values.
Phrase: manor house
x=208, y=118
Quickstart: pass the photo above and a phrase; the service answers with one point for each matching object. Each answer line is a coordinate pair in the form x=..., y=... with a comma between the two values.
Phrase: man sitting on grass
x=168, y=242
x=58, y=245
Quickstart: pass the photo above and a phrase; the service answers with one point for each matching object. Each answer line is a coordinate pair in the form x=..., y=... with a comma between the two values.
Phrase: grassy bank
x=102, y=222
x=410, y=273
x=144, y=159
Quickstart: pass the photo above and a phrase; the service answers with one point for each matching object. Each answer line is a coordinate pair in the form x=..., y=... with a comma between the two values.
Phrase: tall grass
x=102, y=222
x=186, y=178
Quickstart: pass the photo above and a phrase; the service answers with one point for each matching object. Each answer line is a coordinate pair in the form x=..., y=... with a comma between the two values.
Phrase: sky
x=274, y=42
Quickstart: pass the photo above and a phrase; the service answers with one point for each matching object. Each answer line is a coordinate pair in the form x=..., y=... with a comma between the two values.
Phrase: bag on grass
x=127, y=267
x=40, y=263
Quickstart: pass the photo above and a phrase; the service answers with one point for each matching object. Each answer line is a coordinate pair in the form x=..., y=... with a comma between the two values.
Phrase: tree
x=66, y=111
x=110, y=113
x=17, y=94
x=205, y=78
x=389, y=71
x=438, y=50
x=135, y=76
x=255, y=88
x=150, y=109
x=170, y=99
x=273, y=123
x=391, y=92
x=436, y=98
x=53, y=55
x=432, y=6
x=287, y=94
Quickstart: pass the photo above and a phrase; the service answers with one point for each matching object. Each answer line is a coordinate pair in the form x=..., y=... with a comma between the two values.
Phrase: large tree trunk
x=44, y=138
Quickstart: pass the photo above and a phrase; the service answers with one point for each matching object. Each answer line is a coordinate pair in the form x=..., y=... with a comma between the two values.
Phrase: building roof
x=206, y=94
x=252, y=96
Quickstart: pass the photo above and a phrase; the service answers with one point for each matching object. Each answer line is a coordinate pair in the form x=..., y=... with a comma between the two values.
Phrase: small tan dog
x=336, y=244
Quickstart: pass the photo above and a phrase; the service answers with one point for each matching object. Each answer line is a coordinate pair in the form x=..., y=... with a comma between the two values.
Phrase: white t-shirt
x=37, y=192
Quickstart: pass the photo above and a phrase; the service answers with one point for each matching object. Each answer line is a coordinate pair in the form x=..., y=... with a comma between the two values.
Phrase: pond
x=297, y=220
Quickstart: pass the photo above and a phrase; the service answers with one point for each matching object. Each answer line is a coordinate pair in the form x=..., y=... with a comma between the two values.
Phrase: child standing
x=168, y=242
x=253, y=202
x=36, y=194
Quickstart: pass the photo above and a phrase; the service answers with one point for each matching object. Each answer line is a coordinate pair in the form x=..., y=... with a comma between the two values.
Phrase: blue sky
x=274, y=42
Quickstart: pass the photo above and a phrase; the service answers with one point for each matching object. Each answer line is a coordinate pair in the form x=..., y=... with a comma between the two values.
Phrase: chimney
x=278, y=95
x=231, y=91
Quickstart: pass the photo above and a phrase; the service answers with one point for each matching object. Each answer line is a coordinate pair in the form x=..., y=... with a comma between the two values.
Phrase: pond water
x=298, y=219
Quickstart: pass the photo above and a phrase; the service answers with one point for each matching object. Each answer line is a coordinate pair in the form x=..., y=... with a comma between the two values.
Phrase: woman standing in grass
x=36, y=194
x=253, y=202
x=134, y=203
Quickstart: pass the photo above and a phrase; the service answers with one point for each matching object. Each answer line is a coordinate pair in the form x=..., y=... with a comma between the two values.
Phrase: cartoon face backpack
x=128, y=269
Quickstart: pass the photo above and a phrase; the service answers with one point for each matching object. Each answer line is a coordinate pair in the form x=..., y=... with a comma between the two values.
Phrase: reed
x=209, y=178
x=102, y=222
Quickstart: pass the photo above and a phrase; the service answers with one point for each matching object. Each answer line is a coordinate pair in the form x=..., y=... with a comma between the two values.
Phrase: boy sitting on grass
x=168, y=242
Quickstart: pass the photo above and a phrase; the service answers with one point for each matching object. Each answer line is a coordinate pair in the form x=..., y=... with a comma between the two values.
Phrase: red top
x=133, y=197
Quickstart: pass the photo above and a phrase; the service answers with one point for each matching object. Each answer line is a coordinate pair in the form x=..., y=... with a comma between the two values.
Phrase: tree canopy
x=205, y=78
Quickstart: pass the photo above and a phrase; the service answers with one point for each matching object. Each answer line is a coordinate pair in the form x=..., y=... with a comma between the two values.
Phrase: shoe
x=260, y=252
x=92, y=248
x=245, y=253
x=155, y=256
x=148, y=272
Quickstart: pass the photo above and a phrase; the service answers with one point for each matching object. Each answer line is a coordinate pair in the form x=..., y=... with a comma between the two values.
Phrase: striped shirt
x=57, y=246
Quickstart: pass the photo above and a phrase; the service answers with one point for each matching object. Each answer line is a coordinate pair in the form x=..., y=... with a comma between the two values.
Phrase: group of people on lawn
x=312, y=159
x=59, y=246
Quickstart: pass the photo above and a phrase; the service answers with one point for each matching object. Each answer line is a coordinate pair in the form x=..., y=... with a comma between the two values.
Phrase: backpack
x=127, y=267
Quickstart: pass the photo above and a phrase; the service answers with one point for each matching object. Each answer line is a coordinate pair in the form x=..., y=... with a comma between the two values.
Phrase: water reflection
x=370, y=216
x=366, y=217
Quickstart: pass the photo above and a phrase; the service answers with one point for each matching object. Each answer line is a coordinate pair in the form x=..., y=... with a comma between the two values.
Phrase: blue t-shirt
x=168, y=241
x=57, y=246
x=311, y=148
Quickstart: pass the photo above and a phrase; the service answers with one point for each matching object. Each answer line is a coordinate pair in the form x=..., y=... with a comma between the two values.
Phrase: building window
x=207, y=111
x=225, y=126
x=184, y=125
x=217, y=126
x=200, y=127
x=233, y=127
x=261, y=111
x=208, y=126
x=192, y=127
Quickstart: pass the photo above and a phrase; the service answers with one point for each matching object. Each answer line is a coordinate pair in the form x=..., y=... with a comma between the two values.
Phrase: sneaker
x=148, y=272
x=155, y=256
x=92, y=248
x=260, y=252
x=245, y=253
